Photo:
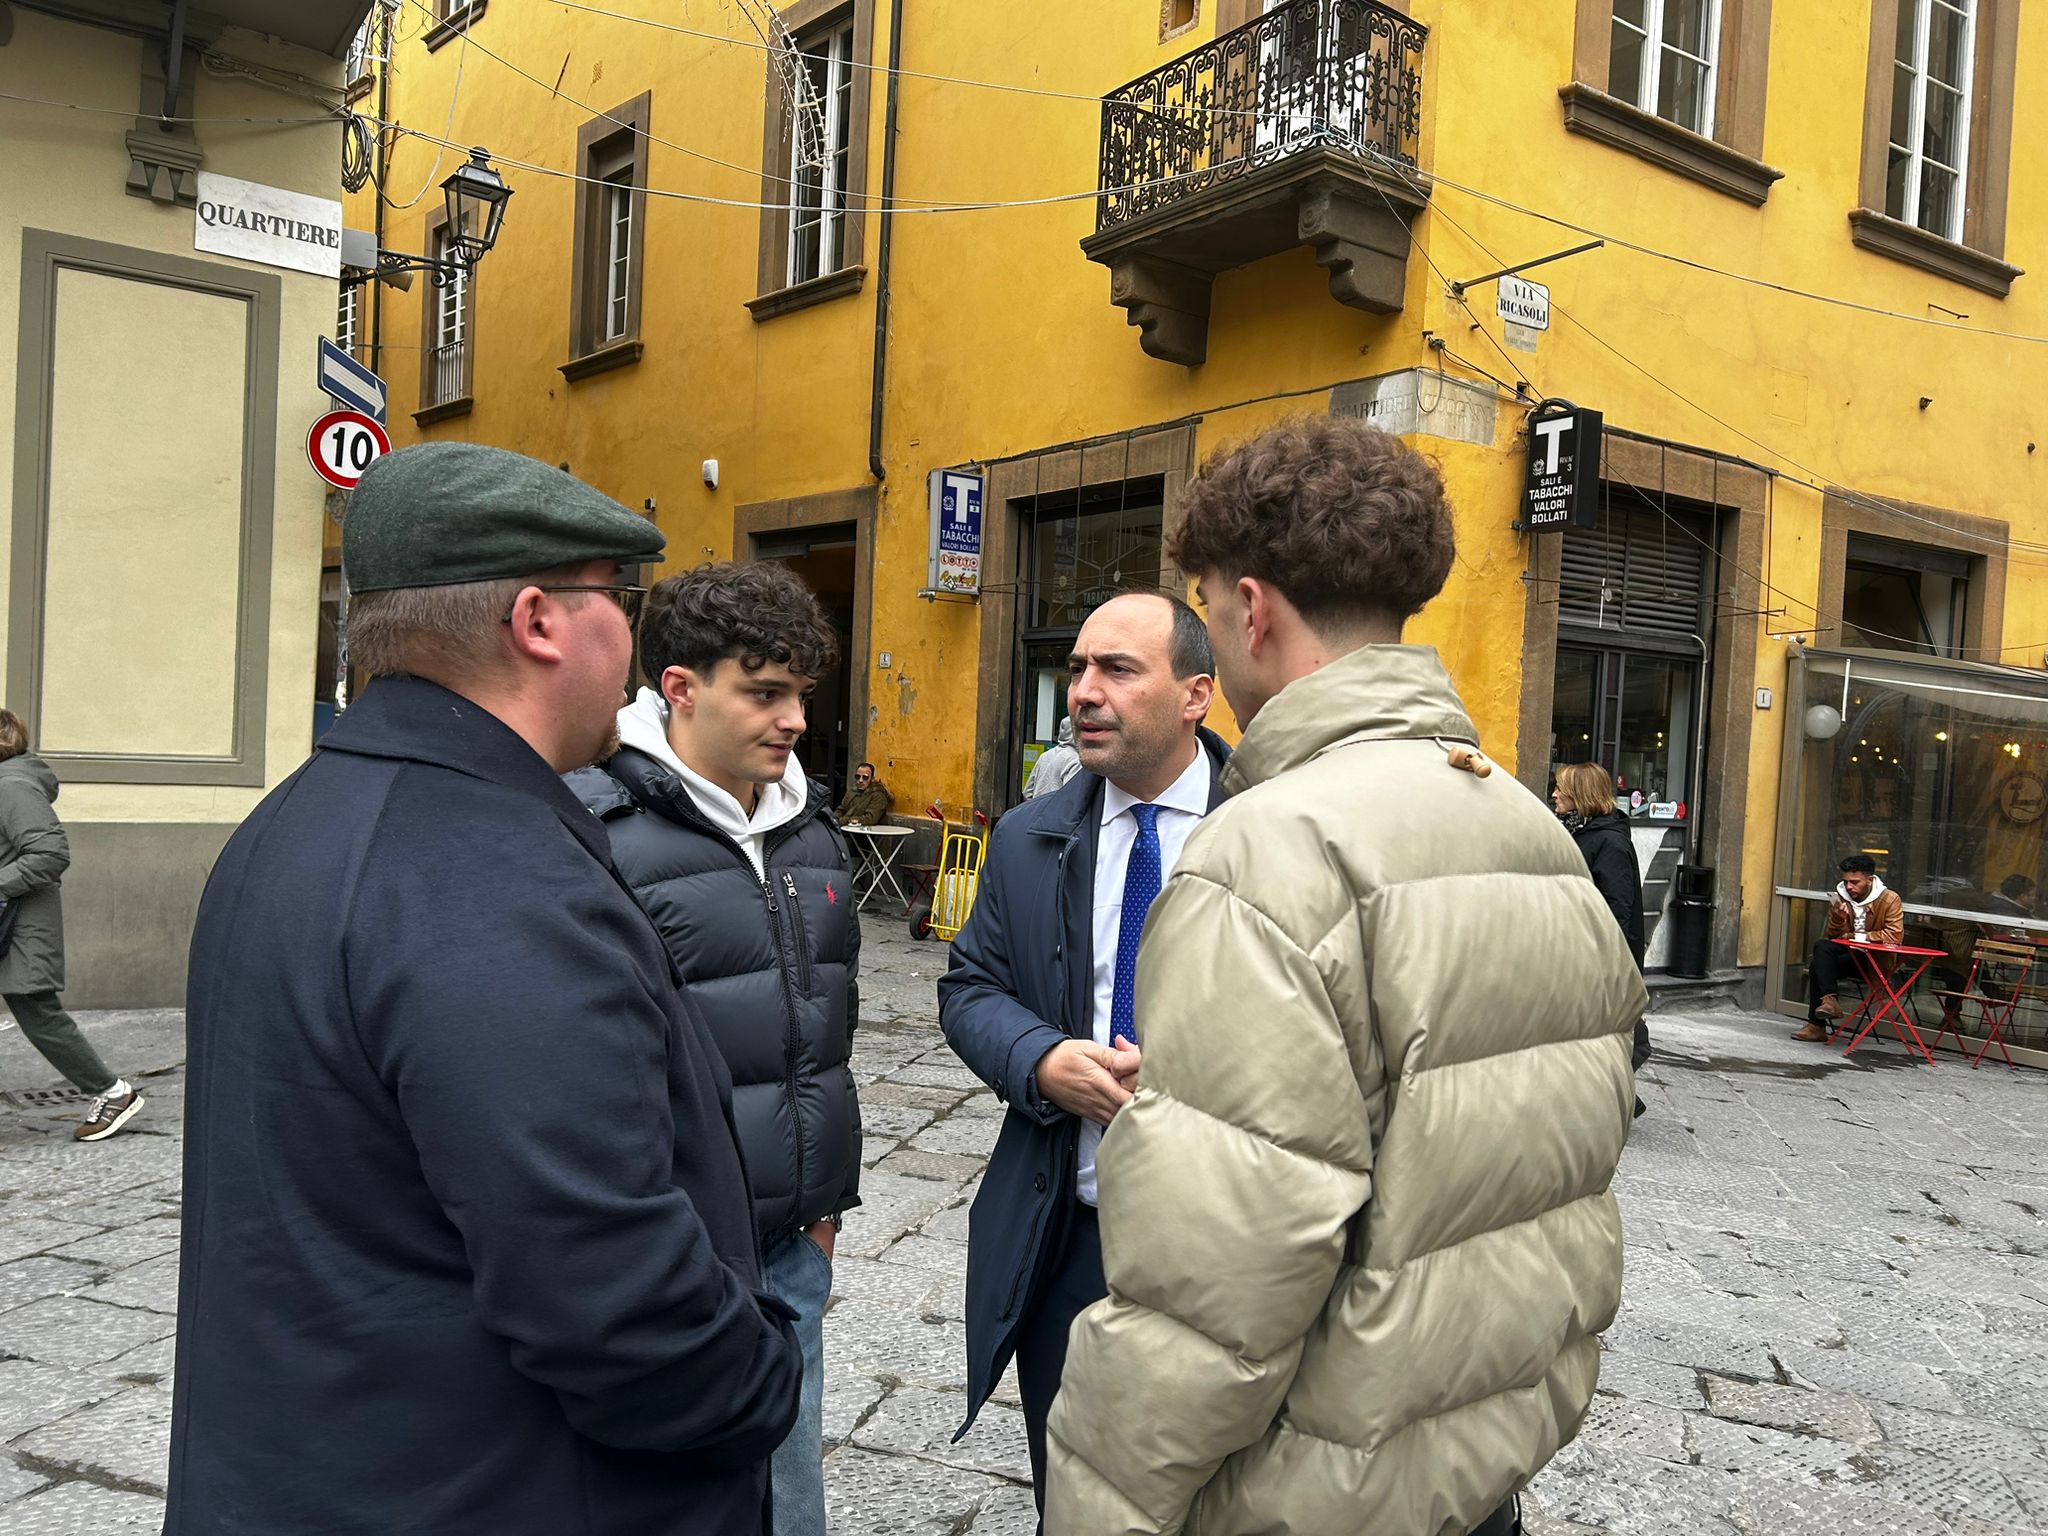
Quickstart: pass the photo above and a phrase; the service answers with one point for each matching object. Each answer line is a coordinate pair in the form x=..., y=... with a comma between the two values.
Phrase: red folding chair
x=1998, y=976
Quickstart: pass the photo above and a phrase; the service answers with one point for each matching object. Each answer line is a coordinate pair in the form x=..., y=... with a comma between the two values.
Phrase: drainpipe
x=882, y=252
x=386, y=24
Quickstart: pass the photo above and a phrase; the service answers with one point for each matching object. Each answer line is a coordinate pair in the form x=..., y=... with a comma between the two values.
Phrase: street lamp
x=476, y=206
x=476, y=198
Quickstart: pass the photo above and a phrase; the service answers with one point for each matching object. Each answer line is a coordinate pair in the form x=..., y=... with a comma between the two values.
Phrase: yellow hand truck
x=956, y=877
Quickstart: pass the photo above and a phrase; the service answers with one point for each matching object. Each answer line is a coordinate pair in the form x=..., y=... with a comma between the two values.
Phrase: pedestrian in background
x=867, y=801
x=1037, y=996
x=1584, y=801
x=1356, y=1223
x=734, y=855
x=34, y=853
x=1583, y=798
x=1056, y=764
x=468, y=1246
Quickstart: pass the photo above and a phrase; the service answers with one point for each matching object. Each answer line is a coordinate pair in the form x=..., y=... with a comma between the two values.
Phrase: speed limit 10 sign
x=343, y=444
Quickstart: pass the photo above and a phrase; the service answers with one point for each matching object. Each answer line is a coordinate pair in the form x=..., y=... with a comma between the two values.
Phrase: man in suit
x=1037, y=999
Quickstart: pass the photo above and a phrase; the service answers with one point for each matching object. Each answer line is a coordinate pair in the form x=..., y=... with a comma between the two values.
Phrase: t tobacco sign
x=1563, y=485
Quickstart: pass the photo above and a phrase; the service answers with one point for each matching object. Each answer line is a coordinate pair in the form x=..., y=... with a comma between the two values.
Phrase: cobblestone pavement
x=1835, y=1318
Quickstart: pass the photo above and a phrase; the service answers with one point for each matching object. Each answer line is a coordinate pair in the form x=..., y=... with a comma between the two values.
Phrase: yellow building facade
x=161, y=565
x=1079, y=247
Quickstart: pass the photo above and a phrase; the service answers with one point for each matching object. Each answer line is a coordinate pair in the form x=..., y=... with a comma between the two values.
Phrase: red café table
x=1881, y=1000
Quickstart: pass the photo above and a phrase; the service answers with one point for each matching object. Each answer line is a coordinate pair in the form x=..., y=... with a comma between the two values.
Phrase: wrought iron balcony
x=1299, y=128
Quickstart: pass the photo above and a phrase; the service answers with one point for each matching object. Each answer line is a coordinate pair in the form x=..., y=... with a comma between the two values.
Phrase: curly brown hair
x=1347, y=521
x=757, y=614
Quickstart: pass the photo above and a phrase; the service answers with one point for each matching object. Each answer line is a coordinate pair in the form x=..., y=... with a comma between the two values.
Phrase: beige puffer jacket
x=1356, y=1223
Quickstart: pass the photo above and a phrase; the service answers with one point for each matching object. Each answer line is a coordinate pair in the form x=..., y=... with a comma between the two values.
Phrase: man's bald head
x=1138, y=687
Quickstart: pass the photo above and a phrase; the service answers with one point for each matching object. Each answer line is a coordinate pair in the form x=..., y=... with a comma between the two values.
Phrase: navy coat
x=468, y=1245
x=1022, y=979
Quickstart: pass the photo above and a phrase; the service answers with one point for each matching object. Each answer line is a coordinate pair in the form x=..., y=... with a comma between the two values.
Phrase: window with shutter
x=1643, y=571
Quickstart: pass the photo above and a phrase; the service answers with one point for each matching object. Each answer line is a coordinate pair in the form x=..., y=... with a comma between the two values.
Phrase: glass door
x=1042, y=695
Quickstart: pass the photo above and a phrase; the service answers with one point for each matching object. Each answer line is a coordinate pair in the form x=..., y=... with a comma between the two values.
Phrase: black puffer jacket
x=772, y=966
x=1610, y=855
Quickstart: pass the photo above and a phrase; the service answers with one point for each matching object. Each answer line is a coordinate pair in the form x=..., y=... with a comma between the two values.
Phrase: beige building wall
x=178, y=592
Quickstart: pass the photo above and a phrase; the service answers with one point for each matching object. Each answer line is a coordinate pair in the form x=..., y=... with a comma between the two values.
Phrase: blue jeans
x=800, y=1274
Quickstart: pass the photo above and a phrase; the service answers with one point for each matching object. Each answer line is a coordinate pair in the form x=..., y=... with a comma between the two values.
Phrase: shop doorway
x=1635, y=606
x=824, y=559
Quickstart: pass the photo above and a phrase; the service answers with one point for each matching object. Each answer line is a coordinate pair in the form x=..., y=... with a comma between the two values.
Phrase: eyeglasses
x=628, y=597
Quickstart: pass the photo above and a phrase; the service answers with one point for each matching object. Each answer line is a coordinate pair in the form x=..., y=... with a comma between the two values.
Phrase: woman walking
x=1584, y=802
x=34, y=854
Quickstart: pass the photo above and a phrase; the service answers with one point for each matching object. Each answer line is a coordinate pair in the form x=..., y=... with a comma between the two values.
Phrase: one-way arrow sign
x=355, y=387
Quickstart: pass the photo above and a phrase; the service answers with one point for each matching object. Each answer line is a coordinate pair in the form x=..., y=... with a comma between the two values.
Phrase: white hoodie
x=644, y=724
x=1859, y=911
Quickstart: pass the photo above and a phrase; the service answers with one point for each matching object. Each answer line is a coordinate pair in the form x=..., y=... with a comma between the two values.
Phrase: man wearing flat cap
x=468, y=1243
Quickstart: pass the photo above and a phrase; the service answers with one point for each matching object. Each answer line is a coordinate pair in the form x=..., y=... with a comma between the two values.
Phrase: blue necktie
x=1141, y=886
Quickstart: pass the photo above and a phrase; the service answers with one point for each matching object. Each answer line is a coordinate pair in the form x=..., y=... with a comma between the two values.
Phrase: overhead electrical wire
x=872, y=202
x=1514, y=365
x=865, y=201
x=1095, y=100
x=1857, y=498
x=448, y=127
x=130, y=112
x=1436, y=179
x=908, y=205
x=1692, y=263
x=750, y=171
x=1869, y=503
x=895, y=205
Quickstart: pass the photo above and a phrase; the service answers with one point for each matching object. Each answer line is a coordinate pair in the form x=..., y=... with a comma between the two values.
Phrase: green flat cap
x=441, y=513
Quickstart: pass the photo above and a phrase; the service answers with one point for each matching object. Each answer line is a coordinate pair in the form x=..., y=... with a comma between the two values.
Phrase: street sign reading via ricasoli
x=1523, y=303
x=1563, y=485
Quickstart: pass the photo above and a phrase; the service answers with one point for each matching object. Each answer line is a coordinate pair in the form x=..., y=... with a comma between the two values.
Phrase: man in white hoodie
x=1862, y=910
x=733, y=854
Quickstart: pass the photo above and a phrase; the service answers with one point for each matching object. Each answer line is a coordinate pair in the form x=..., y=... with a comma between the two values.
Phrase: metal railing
x=1309, y=74
x=448, y=372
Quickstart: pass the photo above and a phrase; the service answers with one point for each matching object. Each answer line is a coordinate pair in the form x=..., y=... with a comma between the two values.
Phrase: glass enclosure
x=1938, y=771
x=1078, y=550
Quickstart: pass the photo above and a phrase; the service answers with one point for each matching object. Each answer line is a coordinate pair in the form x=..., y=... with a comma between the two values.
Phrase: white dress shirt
x=1181, y=809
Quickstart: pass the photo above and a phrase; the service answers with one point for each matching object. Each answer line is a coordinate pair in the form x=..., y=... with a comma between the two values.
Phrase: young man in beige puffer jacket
x=1356, y=1223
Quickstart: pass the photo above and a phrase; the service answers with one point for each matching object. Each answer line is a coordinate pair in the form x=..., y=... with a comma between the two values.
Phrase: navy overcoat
x=468, y=1246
